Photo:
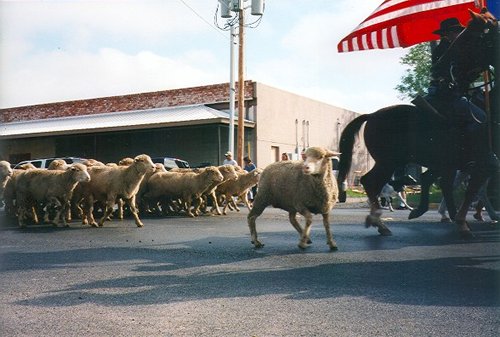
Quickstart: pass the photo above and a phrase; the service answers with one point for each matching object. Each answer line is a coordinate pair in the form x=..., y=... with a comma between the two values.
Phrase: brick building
x=189, y=123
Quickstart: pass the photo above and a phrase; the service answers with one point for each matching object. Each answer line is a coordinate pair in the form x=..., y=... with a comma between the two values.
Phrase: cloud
x=60, y=76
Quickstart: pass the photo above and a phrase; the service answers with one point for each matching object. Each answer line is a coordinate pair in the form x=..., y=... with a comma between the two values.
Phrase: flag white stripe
x=364, y=41
x=385, y=43
x=394, y=36
x=373, y=38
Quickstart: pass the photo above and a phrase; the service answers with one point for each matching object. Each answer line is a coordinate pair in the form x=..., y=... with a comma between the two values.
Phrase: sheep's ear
x=331, y=153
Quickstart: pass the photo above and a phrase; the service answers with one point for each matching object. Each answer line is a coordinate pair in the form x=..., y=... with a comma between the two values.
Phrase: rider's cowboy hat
x=449, y=25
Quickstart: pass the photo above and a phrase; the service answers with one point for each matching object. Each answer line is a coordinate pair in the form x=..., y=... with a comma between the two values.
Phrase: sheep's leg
x=256, y=211
x=188, y=202
x=226, y=204
x=108, y=209
x=215, y=204
x=235, y=203
x=88, y=212
x=329, y=237
x=196, y=205
x=120, y=204
x=292, y=216
x=244, y=197
x=135, y=212
x=307, y=229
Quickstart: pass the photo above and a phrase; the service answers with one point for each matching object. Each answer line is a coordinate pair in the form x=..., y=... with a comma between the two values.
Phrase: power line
x=202, y=18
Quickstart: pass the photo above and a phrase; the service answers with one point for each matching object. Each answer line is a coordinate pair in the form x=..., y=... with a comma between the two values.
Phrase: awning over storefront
x=117, y=121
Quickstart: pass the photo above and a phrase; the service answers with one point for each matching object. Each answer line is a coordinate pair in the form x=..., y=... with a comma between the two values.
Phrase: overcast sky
x=65, y=50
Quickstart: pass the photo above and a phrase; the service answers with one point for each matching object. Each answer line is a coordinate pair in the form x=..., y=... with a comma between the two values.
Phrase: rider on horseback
x=444, y=95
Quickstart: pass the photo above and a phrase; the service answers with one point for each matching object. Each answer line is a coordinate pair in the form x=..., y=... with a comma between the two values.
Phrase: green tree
x=416, y=79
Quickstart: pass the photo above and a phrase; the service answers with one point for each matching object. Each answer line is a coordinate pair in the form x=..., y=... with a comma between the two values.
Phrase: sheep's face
x=228, y=172
x=313, y=165
x=80, y=173
x=317, y=159
x=144, y=161
x=5, y=169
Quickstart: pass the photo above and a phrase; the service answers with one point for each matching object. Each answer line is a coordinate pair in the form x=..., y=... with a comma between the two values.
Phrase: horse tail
x=346, y=145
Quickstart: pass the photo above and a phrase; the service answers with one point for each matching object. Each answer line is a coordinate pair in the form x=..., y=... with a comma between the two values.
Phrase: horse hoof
x=384, y=231
x=372, y=220
x=415, y=214
x=466, y=235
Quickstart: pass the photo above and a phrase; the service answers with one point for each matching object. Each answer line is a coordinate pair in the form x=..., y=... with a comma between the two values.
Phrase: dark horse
x=431, y=140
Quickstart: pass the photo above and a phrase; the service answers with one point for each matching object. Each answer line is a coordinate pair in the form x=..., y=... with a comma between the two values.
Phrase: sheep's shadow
x=197, y=270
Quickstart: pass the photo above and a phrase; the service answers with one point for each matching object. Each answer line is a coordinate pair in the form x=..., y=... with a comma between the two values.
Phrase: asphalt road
x=202, y=277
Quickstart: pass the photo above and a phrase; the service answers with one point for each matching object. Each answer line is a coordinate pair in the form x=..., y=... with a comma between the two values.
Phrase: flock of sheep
x=63, y=192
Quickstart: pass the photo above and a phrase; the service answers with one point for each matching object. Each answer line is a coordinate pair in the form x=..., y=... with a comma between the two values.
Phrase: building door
x=275, y=153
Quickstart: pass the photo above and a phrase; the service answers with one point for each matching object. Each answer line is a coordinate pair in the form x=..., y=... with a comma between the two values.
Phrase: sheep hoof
x=94, y=224
x=332, y=245
x=258, y=244
x=302, y=245
x=140, y=224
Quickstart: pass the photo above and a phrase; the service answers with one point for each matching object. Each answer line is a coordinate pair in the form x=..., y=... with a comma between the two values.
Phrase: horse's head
x=475, y=49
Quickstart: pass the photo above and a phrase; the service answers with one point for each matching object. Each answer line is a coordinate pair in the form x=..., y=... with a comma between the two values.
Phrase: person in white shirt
x=229, y=159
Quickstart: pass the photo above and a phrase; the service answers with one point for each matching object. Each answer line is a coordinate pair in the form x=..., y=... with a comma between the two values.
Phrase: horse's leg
x=475, y=182
x=447, y=187
x=373, y=182
x=427, y=178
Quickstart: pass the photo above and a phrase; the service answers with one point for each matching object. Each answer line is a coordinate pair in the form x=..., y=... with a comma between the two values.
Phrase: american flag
x=403, y=23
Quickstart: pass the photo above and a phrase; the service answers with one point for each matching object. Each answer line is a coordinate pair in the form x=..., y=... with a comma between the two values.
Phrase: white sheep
x=108, y=184
x=53, y=187
x=307, y=187
x=5, y=173
x=229, y=174
x=9, y=193
x=238, y=188
x=187, y=185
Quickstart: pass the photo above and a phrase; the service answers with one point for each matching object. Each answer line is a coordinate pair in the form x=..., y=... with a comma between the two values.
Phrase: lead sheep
x=34, y=187
x=307, y=188
x=108, y=184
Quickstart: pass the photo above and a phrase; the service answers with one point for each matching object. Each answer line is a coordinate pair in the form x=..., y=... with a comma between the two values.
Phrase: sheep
x=9, y=193
x=188, y=185
x=144, y=206
x=238, y=188
x=57, y=164
x=304, y=187
x=229, y=174
x=47, y=186
x=107, y=184
x=5, y=173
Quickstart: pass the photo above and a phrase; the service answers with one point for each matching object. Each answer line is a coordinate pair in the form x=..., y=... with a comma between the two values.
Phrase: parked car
x=170, y=162
x=45, y=162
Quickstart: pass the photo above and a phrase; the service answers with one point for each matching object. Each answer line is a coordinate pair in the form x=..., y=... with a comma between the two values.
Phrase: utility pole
x=232, y=88
x=241, y=87
x=226, y=9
